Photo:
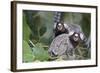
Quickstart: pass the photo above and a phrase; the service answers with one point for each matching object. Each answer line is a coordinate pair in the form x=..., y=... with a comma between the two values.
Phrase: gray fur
x=61, y=46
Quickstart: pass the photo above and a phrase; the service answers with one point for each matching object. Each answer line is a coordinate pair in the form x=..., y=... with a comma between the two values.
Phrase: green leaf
x=27, y=53
x=42, y=30
x=40, y=54
x=26, y=29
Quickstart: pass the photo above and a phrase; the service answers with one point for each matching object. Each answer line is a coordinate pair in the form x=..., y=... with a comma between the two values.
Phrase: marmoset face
x=60, y=27
x=76, y=37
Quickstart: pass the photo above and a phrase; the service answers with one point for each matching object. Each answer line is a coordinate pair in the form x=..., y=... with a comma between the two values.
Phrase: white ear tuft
x=55, y=25
x=71, y=33
x=81, y=36
x=66, y=26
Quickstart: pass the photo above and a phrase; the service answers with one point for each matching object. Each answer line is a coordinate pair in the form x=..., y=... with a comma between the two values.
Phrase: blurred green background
x=38, y=30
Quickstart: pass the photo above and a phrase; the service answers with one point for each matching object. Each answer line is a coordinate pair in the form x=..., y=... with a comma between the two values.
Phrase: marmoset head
x=60, y=28
x=75, y=38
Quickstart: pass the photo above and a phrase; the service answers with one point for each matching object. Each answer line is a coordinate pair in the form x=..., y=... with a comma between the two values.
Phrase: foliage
x=82, y=53
x=38, y=29
x=39, y=52
x=27, y=53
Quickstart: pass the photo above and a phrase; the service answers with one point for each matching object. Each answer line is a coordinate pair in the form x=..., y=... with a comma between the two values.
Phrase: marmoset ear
x=66, y=25
x=71, y=33
x=82, y=36
x=55, y=24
